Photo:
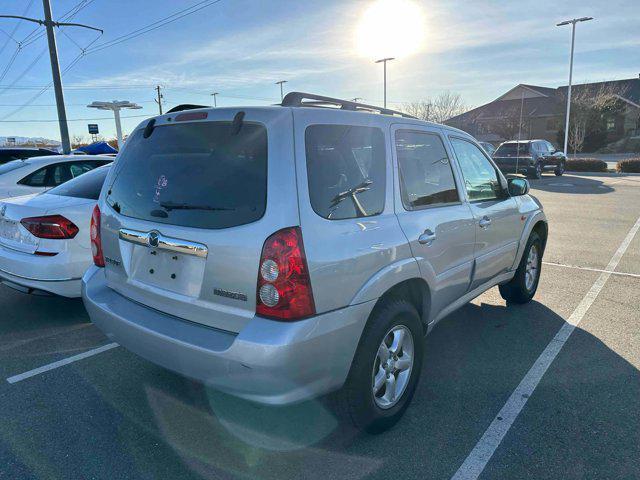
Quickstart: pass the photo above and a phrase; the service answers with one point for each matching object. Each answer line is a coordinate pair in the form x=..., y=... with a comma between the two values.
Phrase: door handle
x=484, y=222
x=427, y=237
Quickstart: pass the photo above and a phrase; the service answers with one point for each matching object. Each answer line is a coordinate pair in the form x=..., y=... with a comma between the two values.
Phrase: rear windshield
x=200, y=175
x=87, y=185
x=512, y=149
x=11, y=166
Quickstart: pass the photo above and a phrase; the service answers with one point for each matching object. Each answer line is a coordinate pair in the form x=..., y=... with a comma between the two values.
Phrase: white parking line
x=477, y=460
x=624, y=274
x=60, y=363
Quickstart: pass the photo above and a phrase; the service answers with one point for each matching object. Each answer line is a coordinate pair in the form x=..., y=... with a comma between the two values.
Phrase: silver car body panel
x=352, y=263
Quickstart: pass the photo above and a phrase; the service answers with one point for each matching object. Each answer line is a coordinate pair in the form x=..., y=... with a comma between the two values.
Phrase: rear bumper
x=511, y=166
x=26, y=272
x=270, y=362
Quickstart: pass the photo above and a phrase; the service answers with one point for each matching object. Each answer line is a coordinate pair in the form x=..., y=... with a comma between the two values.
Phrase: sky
x=240, y=48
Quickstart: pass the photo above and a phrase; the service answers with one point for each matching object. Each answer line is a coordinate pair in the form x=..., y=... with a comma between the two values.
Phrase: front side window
x=426, y=177
x=481, y=179
x=346, y=170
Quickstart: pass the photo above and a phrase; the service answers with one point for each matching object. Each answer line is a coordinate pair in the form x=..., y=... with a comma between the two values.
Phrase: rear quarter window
x=346, y=170
x=200, y=175
x=86, y=186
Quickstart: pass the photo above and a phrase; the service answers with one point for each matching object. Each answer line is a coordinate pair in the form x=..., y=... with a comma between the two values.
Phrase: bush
x=586, y=165
x=630, y=165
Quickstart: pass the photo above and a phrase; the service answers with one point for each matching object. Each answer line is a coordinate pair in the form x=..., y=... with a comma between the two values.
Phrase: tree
x=437, y=109
x=78, y=141
x=512, y=121
x=591, y=104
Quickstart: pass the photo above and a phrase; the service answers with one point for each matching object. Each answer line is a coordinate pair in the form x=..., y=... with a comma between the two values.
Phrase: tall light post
x=214, y=95
x=384, y=62
x=281, y=90
x=573, y=40
x=115, y=106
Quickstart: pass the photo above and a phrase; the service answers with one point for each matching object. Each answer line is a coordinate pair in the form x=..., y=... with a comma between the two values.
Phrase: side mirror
x=518, y=186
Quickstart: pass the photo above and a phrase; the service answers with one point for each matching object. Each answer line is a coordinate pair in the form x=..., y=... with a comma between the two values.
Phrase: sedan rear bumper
x=269, y=361
x=32, y=273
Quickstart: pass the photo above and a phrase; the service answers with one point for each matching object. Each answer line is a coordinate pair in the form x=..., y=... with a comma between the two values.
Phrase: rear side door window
x=481, y=178
x=346, y=168
x=35, y=179
x=426, y=176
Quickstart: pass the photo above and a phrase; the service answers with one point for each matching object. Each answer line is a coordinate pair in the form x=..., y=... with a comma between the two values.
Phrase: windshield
x=201, y=175
x=87, y=185
x=511, y=149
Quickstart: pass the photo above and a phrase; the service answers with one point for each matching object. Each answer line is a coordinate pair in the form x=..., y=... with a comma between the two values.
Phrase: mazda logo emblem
x=153, y=239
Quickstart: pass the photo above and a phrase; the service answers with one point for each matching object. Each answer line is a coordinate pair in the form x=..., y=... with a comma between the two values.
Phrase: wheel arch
x=416, y=290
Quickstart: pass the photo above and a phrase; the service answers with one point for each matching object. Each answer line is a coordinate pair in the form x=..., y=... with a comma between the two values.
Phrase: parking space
x=114, y=415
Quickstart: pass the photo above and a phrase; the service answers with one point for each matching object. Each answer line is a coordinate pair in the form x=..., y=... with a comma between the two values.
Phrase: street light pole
x=573, y=40
x=214, y=95
x=115, y=106
x=281, y=91
x=384, y=62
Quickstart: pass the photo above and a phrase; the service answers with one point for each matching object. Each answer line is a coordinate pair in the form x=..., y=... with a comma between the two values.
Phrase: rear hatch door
x=185, y=211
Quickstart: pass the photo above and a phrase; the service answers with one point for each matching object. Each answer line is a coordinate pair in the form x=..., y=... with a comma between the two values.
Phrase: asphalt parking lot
x=115, y=416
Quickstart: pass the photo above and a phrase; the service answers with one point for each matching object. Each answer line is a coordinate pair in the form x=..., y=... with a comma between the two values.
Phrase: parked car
x=530, y=157
x=272, y=253
x=489, y=148
x=39, y=174
x=21, y=153
x=44, y=238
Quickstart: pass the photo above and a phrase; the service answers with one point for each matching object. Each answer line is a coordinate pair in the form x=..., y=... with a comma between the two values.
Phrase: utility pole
x=384, y=62
x=55, y=66
x=281, y=91
x=573, y=40
x=214, y=95
x=159, y=100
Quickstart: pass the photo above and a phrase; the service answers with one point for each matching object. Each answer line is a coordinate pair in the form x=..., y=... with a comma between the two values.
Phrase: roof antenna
x=237, y=123
x=148, y=130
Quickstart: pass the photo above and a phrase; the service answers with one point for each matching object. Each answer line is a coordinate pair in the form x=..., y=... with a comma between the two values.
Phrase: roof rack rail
x=301, y=99
x=185, y=106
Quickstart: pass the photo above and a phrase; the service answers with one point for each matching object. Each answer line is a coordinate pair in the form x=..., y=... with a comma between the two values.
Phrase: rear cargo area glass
x=201, y=175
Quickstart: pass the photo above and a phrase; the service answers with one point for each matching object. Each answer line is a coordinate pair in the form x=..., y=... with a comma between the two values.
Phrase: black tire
x=560, y=169
x=354, y=403
x=516, y=290
x=535, y=173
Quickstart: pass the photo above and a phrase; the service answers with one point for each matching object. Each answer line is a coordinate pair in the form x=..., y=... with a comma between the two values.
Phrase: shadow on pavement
x=131, y=419
x=569, y=183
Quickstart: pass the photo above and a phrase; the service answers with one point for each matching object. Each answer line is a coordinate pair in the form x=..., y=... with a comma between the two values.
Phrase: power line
x=155, y=25
x=52, y=120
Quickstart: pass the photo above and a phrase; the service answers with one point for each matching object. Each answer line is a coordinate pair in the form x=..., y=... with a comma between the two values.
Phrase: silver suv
x=287, y=252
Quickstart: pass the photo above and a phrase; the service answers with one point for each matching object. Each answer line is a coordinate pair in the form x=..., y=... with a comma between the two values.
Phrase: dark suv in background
x=530, y=157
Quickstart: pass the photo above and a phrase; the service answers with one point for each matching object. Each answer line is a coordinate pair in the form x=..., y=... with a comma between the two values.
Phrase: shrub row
x=586, y=165
x=630, y=165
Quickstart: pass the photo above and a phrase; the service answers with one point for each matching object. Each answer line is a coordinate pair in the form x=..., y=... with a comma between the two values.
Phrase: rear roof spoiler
x=186, y=106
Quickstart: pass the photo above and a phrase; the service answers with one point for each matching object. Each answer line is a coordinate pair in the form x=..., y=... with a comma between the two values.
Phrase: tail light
x=284, y=286
x=54, y=227
x=96, y=240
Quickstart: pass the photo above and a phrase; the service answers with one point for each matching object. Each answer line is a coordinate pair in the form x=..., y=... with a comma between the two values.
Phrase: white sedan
x=44, y=238
x=39, y=174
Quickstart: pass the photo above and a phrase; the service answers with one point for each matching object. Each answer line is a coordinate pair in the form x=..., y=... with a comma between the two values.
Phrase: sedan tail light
x=96, y=239
x=54, y=227
x=284, y=286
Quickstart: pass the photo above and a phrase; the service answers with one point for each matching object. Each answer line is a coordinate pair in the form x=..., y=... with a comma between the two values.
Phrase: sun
x=390, y=28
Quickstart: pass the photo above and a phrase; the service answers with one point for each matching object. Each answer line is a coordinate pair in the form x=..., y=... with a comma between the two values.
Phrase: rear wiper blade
x=168, y=206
